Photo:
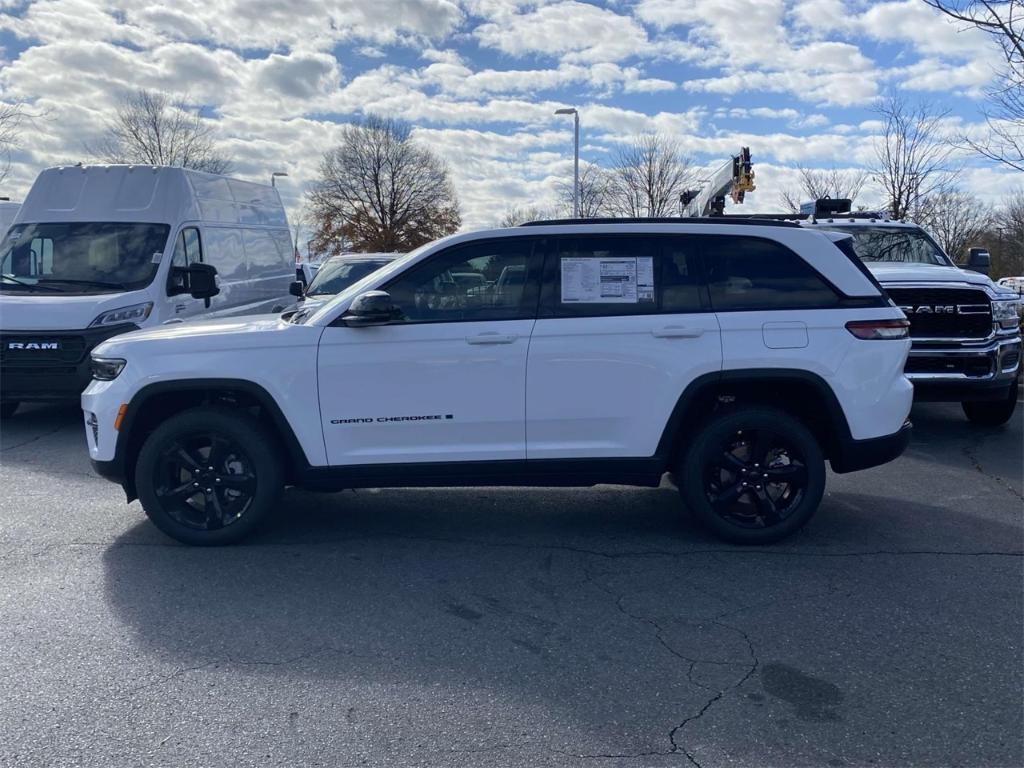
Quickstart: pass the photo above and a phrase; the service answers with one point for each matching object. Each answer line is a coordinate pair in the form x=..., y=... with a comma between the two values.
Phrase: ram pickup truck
x=964, y=327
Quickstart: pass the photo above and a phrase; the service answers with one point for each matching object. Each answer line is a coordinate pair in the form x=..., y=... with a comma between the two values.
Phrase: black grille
x=36, y=350
x=962, y=313
x=966, y=365
x=32, y=350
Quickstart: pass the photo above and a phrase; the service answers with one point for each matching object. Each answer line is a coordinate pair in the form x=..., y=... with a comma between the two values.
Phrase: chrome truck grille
x=945, y=313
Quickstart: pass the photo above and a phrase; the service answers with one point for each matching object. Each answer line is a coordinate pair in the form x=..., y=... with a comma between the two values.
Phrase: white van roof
x=151, y=194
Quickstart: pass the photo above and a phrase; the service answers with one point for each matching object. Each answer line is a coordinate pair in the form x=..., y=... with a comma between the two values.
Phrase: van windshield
x=906, y=245
x=81, y=257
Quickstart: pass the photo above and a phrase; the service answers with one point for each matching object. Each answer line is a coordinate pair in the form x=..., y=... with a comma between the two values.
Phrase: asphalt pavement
x=509, y=627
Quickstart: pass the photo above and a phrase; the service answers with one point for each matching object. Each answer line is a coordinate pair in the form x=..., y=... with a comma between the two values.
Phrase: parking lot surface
x=517, y=627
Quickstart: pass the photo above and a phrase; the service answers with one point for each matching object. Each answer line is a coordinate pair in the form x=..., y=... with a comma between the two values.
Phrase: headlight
x=1006, y=312
x=107, y=368
x=134, y=313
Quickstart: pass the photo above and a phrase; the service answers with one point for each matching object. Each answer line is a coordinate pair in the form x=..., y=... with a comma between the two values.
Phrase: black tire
x=754, y=475
x=7, y=408
x=991, y=413
x=229, y=460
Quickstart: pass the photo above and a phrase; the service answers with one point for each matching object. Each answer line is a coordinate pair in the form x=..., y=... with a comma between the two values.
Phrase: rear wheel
x=209, y=476
x=992, y=413
x=7, y=408
x=753, y=475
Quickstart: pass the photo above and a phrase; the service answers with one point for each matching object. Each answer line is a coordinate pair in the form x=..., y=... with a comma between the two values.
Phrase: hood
x=242, y=332
x=893, y=272
x=45, y=311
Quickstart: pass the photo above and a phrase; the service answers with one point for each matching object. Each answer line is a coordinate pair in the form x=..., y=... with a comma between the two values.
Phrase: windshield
x=335, y=276
x=86, y=257
x=905, y=245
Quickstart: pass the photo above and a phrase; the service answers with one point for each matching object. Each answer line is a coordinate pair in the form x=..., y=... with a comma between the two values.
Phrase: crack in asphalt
x=968, y=451
x=228, y=660
x=674, y=735
x=34, y=439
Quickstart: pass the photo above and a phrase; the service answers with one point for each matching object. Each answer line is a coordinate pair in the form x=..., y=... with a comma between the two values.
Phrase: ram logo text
x=33, y=345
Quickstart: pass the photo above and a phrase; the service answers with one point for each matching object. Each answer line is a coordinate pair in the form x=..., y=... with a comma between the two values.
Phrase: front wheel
x=992, y=413
x=209, y=476
x=753, y=475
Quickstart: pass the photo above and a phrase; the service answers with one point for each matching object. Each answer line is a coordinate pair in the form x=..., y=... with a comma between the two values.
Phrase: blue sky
x=796, y=80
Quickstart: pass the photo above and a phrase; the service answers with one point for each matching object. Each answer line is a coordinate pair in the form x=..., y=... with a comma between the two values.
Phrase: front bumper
x=862, y=454
x=964, y=371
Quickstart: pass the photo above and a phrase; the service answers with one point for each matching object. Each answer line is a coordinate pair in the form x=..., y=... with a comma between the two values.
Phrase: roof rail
x=703, y=220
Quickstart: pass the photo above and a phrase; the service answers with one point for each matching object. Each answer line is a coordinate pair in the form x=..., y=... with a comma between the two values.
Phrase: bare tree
x=12, y=121
x=912, y=157
x=157, y=129
x=379, y=190
x=648, y=177
x=514, y=215
x=1004, y=112
x=1006, y=236
x=595, y=191
x=956, y=219
x=816, y=183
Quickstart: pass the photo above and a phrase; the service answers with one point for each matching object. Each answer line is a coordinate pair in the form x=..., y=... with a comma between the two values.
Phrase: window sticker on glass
x=607, y=280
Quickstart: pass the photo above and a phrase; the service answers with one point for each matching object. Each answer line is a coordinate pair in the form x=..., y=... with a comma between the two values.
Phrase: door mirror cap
x=370, y=308
x=979, y=260
x=295, y=288
x=202, y=281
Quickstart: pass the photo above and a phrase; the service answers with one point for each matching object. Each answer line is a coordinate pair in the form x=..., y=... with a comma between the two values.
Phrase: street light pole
x=575, y=158
x=274, y=175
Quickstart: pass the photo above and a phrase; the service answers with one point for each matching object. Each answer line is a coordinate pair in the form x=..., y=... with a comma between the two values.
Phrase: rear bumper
x=863, y=454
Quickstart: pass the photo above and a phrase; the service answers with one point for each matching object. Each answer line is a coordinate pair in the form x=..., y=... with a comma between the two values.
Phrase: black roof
x=681, y=220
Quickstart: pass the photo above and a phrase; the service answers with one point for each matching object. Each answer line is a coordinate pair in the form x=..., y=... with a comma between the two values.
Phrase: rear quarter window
x=753, y=273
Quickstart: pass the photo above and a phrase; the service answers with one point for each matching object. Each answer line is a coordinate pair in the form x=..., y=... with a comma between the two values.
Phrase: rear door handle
x=678, y=332
x=491, y=338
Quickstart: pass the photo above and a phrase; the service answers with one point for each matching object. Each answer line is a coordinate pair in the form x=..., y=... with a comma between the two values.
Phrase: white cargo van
x=101, y=250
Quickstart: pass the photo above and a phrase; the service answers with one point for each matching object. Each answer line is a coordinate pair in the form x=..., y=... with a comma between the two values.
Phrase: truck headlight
x=1006, y=312
x=134, y=313
x=107, y=368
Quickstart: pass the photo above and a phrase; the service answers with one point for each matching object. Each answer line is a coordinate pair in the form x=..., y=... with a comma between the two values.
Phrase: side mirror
x=202, y=281
x=295, y=288
x=370, y=308
x=979, y=260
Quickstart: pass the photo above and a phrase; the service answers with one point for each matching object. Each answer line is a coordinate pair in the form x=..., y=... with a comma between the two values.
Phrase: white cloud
x=571, y=30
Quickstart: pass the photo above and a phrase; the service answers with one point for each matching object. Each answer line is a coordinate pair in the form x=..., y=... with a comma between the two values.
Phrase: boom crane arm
x=734, y=179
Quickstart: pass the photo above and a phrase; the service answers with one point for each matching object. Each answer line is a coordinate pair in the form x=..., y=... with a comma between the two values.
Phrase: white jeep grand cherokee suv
x=739, y=356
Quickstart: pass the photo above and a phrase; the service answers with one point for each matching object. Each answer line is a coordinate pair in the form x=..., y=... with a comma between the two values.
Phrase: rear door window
x=621, y=275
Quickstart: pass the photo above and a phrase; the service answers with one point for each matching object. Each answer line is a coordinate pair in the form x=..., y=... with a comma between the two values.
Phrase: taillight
x=879, y=329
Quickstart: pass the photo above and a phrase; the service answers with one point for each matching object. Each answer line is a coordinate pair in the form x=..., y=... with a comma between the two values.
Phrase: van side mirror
x=370, y=308
x=979, y=260
x=295, y=288
x=202, y=281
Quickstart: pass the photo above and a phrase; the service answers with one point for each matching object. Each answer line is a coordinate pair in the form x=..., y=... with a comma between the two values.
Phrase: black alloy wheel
x=752, y=475
x=757, y=480
x=209, y=475
x=205, y=481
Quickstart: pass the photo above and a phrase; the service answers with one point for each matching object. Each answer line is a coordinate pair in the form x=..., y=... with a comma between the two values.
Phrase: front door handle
x=491, y=338
x=678, y=332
